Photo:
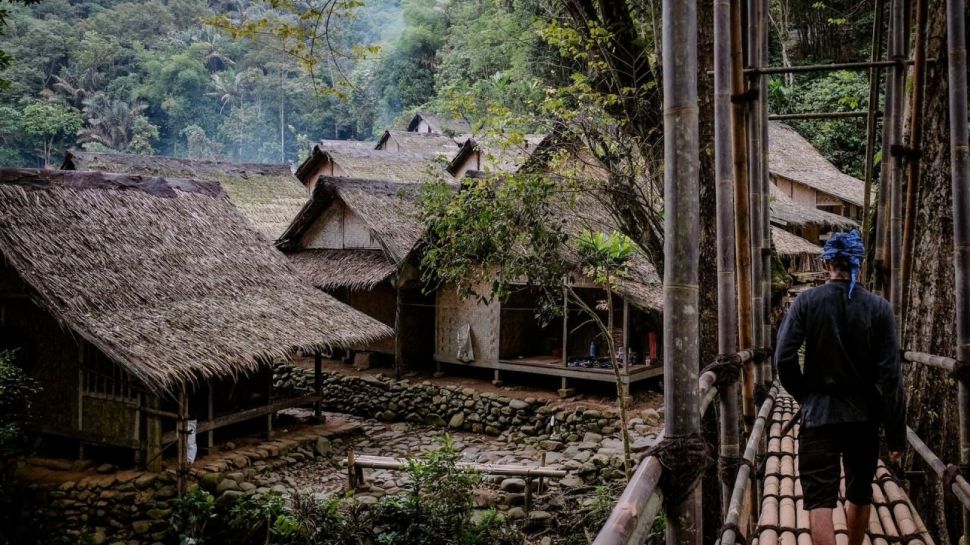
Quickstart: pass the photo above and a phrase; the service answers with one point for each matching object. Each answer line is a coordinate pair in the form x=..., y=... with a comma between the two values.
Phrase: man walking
x=849, y=385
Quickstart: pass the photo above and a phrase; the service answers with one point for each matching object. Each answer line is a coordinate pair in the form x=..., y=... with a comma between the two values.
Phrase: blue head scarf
x=846, y=246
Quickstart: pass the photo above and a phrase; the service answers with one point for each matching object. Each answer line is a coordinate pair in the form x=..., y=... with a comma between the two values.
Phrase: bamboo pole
x=762, y=26
x=756, y=149
x=742, y=204
x=882, y=208
x=897, y=82
x=915, y=144
x=960, y=181
x=874, y=72
x=874, y=63
x=727, y=321
x=818, y=115
x=960, y=487
x=633, y=516
x=681, y=251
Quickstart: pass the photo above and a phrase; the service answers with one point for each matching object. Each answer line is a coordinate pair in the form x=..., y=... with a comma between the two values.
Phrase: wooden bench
x=356, y=463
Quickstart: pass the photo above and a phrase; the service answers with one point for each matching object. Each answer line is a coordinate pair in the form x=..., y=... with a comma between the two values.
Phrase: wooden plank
x=385, y=462
x=85, y=436
x=249, y=414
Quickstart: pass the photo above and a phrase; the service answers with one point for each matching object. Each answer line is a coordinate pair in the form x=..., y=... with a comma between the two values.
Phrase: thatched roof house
x=804, y=221
x=495, y=154
x=797, y=254
x=354, y=239
x=267, y=194
x=402, y=167
x=427, y=122
x=161, y=284
x=806, y=176
x=344, y=144
x=417, y=142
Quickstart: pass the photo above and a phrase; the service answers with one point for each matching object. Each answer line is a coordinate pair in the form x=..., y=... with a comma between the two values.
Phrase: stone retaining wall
x=466, y=409
x=136, y=507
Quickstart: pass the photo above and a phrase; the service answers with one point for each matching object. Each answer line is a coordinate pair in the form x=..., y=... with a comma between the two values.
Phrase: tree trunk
x=929, y=325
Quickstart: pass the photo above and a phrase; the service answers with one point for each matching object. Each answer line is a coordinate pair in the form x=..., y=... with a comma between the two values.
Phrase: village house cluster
x=141, y=291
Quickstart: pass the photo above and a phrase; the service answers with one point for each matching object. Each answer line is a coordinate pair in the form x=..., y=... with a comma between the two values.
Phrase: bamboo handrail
x=959, y=486
x=941, y=362
x=742, y=481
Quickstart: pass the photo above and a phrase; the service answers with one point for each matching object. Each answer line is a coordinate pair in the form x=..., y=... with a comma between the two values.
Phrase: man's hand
x=896, y=456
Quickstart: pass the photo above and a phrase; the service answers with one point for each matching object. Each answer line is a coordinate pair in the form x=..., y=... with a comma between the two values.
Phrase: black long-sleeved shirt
x=852, y=370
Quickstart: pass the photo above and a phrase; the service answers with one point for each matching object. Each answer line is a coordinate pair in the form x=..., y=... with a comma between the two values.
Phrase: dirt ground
x=646, y=395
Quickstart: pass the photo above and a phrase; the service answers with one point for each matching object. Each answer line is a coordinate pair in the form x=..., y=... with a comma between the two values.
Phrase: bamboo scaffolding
x=756, y=148
x=681, y=251
x=766, y=371
x=960, y=181
x=959, y=486
x=882, y=208
x=742, y=204
x=727, y=322
x=874, y=72
x=862, y=65
x=942, y=362
x=915, y=144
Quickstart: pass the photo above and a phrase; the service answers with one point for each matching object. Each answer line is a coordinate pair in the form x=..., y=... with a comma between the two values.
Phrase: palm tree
x=110, y=123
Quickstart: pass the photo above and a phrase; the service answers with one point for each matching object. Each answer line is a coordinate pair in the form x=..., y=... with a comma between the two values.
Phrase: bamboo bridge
x=760, y=490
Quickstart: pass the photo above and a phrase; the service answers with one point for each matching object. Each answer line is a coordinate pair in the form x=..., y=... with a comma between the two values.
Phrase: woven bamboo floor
x=783, y=520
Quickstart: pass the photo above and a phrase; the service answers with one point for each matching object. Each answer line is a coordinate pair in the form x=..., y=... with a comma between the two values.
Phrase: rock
x=518, y=404
x=456, y=421
x=540, y=517
x=591, y=437
x=141, y=527
x=366, y=499
x=227, y=485
x=210, y=481
x=513, y=484
x=516, y=513
x=323, y=446
x=571, y=481
x=145, y=480
x=228, y=498
x=105, y=468
x=99, y=537
x=549, y=444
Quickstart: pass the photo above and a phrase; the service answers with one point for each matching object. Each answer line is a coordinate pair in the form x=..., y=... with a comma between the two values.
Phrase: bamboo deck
x=784, y=521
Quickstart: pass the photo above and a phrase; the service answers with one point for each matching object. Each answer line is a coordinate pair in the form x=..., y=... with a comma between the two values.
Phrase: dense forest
x=170, y=77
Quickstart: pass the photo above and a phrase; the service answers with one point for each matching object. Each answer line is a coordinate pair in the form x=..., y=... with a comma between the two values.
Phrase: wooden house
x=429, y=123
x=141, y=302
x=495, y=155
x=808, y=178
x=798, y=255
x=417, y=142
x=355, y=240
x=404, y=167
x=266, y=194
x=805, y=221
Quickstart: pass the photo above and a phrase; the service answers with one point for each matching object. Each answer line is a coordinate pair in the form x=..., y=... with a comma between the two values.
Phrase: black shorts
x=820, y=449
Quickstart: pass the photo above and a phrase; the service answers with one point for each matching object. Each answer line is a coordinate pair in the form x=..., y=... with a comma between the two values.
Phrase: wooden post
x=727, y=315
x=269, y=399
x=913, y=165
x=898, y=83
x=528, y=493
x=182, y=442
x=874, y=73
x=497, y=378
x=960, y=180
x=136, y=430
x=682, y=230
x=542, y=463
x=398, y=337
x=317, y=383
x=765, y=370
x=742, y=204
x=564, y=390
x=210, y=413
x=153, y=435
x=626, y=347
x=351, y=470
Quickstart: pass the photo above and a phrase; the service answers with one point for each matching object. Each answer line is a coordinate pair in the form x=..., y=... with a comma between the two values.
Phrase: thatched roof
x=404, y=167
x=389, y=210
x=355, y=269
x=416, y=142
x=499, y=155
x=440, y=124
x=792, y=157
x=344, y=144
x=787, y=244
x=164, y=276
x=267, y=194
x=786, y=212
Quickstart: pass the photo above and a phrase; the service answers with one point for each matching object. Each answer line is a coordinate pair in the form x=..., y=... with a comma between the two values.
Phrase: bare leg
x=857, y=519
x=823, y=531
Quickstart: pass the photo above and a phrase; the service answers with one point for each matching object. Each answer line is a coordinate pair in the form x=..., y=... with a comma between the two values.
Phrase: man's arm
x=890, y=381
x=791, y=335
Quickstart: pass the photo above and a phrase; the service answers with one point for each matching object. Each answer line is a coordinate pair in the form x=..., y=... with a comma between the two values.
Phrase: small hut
x=429, y=123
x=405, y=167
x=808, y=178
x=355, y=240
x=494, y=154
x=417, y=142
x=267, y=194
x=141, y=302
x=798, y=255
x=806, y=222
